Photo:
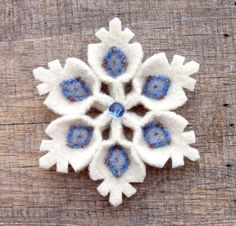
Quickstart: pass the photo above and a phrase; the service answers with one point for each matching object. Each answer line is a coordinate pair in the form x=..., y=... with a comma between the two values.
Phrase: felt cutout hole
x=128, y=132
x=106, y=133
x=128, y=87
x=105, y=89
x=93, y=112
x=139, y=110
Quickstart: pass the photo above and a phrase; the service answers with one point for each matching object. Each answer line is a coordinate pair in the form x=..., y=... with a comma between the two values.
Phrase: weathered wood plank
x=32, y=33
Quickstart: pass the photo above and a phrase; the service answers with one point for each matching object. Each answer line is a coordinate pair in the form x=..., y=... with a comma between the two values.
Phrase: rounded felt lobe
x=79, y=136
x=156, y=135
x=75, y=89
x=116, y=110
x=114, y=62
x=117, y=160
x=156, y=87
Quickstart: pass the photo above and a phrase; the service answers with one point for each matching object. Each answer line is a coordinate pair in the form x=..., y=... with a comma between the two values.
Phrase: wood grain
x=34, y=32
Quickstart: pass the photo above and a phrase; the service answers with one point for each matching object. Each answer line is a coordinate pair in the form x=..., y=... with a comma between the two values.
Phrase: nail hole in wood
x=231, y=125
x=228, y=165
x=226, y=35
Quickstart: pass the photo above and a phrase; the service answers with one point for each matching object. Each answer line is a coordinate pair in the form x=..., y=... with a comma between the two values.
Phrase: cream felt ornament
x=77, y=138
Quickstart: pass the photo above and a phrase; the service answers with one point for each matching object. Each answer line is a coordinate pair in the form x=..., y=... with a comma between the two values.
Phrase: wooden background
x=34, y=32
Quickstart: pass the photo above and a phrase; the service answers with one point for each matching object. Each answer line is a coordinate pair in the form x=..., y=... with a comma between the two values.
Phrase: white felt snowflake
x=77, y=138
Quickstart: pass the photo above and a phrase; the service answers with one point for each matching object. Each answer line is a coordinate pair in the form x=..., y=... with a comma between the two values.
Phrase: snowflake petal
x=62, y=154
x=98, y=170
x=148, y=82
x=128, y=56
x=76, y=78
x=176, y=149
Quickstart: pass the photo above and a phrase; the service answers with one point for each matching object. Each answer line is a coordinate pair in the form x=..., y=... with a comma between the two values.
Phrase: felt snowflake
x=76, y=138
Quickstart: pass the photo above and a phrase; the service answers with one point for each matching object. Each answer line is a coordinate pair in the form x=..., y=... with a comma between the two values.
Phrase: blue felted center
x=114, y=62
x=117, y=160
x=79, y=136
x=75, y=89
x=156, y=135
x=116, y=110
x=156, y=87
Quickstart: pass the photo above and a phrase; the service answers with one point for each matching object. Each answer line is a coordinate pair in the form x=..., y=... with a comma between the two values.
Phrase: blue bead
x=114, y=62
x=156, y=135
x=79, y=136
x=116, y=110
x=117, y=160
x=75, y=89
x=156, y=87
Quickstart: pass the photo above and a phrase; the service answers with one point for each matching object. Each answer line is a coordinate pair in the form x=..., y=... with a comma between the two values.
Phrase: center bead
x=116, y=110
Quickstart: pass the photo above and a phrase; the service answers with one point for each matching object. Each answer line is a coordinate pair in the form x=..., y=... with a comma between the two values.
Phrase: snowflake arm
x=65, y=148
x=118, y=177
x=160, y=84
x=115, y=46
x=161, y=136
x=71, y=89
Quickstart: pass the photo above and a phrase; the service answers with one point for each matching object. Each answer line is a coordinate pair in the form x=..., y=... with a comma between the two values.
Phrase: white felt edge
x=116, y=186
x=43, y=88
x=59, y=153
x=115, y=32
x=184, y=71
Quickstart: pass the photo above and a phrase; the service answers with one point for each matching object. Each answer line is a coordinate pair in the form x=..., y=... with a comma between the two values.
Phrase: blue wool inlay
x=75, y=89
x=116, y=110
x=79, y=136
x=114, y=62
x=156, y=135
x=117, y=160
x=156, y=87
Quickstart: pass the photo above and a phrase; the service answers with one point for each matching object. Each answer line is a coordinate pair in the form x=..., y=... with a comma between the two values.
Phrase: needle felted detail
x=76, y=138
x=117, y=160
x=114, y=62
x=79, y=136
x=156, y=87
x=75, y=89
x=156, y=135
